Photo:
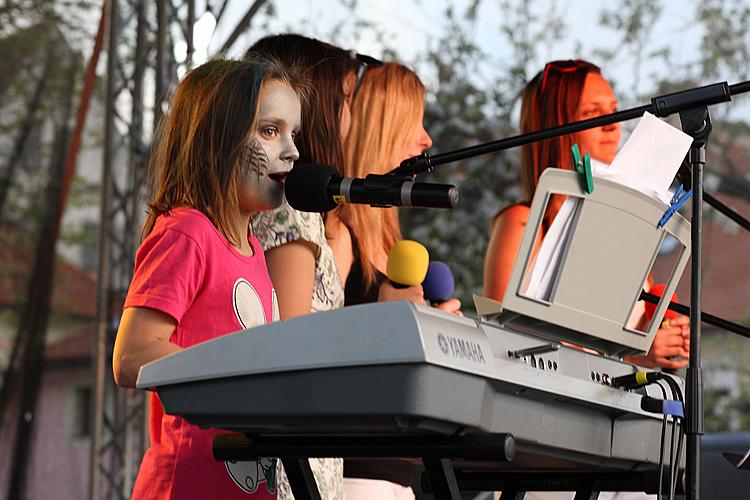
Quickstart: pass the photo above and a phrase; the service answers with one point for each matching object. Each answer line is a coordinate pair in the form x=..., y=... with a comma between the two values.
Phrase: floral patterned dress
x=285, y=225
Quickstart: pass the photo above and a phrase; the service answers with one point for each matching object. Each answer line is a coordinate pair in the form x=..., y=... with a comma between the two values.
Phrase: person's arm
x=340, y=240
x=143, y=336
x=389, y=293
x=452, y=306
x=292, y=270
x=505, y=240
x=670, y=344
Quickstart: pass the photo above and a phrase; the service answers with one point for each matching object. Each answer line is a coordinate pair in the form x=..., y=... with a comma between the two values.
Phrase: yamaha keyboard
x=399, y=369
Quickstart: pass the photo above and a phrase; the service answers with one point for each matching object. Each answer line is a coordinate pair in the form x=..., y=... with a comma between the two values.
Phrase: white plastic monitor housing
x=613, y=244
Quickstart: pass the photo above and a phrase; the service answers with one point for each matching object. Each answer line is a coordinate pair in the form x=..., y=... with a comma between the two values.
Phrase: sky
x=410, y=27
x=414, y=25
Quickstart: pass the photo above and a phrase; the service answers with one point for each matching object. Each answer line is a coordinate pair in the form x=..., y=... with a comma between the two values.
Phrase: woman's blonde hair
x=386, y=115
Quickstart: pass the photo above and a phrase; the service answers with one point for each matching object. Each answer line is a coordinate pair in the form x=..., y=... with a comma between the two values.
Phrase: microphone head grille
x=407, y=263
x=306, y=187
x=439, y=283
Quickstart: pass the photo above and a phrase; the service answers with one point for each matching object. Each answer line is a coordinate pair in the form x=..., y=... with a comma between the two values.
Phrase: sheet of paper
x=550, y=253
x=652, y=154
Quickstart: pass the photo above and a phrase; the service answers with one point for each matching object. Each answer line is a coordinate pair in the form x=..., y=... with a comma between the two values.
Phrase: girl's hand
x=452, y=306
x=389, y=293
x=671, y=347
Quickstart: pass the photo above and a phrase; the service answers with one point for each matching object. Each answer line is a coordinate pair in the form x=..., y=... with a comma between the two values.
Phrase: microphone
x=438, y=284
x=407, y=263
x=320, y=188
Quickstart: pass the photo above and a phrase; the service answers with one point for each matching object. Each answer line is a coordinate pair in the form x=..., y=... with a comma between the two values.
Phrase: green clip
x=583, y=167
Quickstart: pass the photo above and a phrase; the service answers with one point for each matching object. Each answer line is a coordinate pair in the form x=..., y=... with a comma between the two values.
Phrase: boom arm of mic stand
x=705, y=317
x=727, y=210
x=660, y=106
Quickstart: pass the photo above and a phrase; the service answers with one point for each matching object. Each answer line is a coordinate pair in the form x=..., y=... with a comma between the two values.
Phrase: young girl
x=223, y=152
x=566, y=91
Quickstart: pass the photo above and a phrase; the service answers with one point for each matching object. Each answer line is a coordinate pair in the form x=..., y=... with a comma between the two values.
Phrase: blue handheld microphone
x=438, y=284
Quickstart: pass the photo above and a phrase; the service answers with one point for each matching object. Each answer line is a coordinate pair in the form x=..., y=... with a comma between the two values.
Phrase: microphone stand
x=692, y=106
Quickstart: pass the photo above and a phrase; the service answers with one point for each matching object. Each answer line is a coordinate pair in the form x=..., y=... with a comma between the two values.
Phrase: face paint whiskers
x=253, y=159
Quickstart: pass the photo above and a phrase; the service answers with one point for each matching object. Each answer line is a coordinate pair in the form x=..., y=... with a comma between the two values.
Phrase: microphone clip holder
x=378, y=183
x=414, y=166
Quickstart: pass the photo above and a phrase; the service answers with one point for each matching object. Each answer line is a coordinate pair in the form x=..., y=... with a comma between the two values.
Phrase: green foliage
x=71, y=17
x=727, y=382
x=460, y=112
x=724, y=47
x=633, y=21
x=471, y=107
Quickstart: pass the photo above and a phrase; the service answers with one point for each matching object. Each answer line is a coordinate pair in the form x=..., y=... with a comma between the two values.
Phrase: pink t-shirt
x=187, y=269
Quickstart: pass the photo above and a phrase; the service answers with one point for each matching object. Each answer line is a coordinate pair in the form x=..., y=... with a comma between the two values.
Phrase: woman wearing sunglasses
x=364, y=118
x=387, y=108
x=564, y=92
x=300, y=261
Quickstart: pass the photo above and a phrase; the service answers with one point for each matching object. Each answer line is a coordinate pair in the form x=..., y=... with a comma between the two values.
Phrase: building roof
x=74, y=289
x=76, y=346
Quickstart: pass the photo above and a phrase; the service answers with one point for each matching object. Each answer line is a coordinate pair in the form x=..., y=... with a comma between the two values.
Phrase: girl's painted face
x=271, y=153
x=597, y=98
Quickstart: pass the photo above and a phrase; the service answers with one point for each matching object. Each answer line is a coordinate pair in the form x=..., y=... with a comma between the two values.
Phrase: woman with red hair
x=564, y=92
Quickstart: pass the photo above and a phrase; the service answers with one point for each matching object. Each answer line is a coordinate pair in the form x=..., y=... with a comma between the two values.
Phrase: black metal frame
x=434, y=451
x=139, y=40
x=440, y=455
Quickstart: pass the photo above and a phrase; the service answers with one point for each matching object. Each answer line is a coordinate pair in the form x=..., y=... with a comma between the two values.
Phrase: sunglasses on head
x=364, y=62
x=566, y=66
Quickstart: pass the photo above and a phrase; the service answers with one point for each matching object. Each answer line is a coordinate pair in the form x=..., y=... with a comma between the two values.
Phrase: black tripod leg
x=442, y=478
x=587, y=493
x=301, y=478
x=511, y=493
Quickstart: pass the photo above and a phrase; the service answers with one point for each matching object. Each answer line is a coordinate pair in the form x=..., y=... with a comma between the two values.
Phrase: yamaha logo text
x=461, y=349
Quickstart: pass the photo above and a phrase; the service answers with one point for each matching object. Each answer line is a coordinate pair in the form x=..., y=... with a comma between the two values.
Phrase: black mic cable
x=639, y=379
x=665, y=407
x=676, y=410
x=636, y=379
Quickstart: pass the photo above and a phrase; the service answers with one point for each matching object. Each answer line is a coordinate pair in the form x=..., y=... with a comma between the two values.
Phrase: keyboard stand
x=436, y=453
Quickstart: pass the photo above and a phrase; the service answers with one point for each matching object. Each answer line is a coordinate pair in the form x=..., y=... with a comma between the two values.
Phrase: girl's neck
x=243, y=229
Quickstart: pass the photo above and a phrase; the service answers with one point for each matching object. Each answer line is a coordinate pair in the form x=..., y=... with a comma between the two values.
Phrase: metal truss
x=140, y=56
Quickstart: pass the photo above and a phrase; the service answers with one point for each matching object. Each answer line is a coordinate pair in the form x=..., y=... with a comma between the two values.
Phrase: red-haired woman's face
x=597, y=98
